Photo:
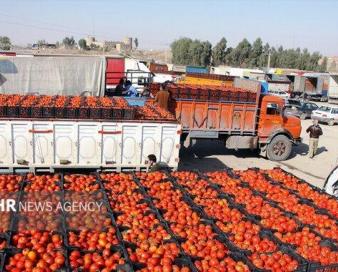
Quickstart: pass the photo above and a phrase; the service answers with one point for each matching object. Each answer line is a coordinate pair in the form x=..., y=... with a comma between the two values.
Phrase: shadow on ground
x=196, y=157
x=303, y=149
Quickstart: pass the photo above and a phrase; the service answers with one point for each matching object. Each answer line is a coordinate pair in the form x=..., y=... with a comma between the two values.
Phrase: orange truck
x=258, y=123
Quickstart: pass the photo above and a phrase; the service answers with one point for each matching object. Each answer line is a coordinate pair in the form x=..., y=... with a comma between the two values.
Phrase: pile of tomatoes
x=180, y=221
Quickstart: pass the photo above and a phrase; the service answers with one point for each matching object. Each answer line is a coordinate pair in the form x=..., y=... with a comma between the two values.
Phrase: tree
x=41, y=42
x=219, y=52
x=68, y=42
x=323, y=65
x=256, y=52
x=205, y=58
x=5, y=43
x=241, y=53
x=136, y=43
x=82, y=44
x=195, y=52
x=180, y=51
x=186, y=51
x=263, y=58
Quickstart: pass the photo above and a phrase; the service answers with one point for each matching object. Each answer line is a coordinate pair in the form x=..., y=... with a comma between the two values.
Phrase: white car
x=326, y=114
x=331, y=183
x=281, y=94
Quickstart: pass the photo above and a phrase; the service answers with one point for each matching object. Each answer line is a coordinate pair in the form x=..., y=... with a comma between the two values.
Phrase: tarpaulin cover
x=53, y=75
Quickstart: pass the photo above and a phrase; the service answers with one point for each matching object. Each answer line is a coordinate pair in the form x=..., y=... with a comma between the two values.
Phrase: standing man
x=162, y=97
x=315, y=131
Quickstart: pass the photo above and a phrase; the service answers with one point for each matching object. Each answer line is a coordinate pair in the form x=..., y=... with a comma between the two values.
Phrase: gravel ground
x=212, y=155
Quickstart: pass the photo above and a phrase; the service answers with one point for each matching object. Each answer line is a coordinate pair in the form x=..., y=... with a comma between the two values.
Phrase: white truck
x=70, y=74
x=333, y=88
x=51, y=145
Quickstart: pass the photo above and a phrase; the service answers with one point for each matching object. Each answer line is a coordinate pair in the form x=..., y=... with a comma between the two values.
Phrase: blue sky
x=156, y=23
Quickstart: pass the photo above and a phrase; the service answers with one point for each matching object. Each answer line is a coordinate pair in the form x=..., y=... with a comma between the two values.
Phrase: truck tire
x=279, y=149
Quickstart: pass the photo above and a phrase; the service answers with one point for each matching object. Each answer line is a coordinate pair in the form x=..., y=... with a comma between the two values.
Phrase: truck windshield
x=273, y=109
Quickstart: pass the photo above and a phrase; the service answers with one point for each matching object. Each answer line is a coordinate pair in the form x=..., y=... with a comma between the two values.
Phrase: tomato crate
x=24, y=112
x=214, y=95
x=12, y=253
x=36, y=112
x=48, y=112
x=71, y=113
x=60, y=112
x=4, y=238
x=315, y=267
x=83, y=113
x=117, y=113
x=2, y=261
x=3, y=111
x=95, y=113
x=185, y=262
x=107, y=113
x=129, y=114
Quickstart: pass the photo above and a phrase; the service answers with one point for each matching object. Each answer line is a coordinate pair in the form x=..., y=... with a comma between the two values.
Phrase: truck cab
x=277, y=131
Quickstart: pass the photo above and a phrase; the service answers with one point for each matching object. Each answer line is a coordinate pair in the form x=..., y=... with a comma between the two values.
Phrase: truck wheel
x=279, y=149
x=303, y=116
x=330, y=123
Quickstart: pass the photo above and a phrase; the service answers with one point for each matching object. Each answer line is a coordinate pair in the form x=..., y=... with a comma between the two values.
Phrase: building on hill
x=125, y=45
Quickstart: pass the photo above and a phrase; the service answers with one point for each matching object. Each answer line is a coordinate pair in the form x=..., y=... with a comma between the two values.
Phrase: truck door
x=42, y=143
x=88, y=141
x=22, y=143
x=131, y=144
x=169, y=146
x=111, y=137
x=271, y=118
x=150, y=142
x=6, y=145
x=64, y=144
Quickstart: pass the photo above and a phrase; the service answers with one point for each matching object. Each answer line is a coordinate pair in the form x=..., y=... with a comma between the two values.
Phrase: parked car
x=281, y=94
x=326, y=114
x=299, y=108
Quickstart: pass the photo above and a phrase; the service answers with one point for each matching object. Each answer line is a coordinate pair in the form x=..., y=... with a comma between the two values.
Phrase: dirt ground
x=212, y=155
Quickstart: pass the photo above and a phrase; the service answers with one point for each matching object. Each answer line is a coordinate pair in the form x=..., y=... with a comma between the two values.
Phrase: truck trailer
x=70, y=74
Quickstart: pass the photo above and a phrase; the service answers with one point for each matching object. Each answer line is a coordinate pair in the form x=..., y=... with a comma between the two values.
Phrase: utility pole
x=269, y=59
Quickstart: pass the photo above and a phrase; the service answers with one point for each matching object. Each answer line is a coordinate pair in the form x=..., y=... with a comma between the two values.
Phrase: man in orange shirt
x=162, y=97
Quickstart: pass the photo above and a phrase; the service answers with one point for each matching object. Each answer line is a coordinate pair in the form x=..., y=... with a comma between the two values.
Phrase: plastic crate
x=60, y=113
x=225, y=96
x=24, y=112
x=48, y=112
x=129, y=114
x=3, y=111
x=95, y=113
x=117, y=113
x=36, y=112
x=234, y=96
x=252, y=97
x=107, y=113
x=243, y=96
x=71, y=113
x=83, y=113
x=322, y=268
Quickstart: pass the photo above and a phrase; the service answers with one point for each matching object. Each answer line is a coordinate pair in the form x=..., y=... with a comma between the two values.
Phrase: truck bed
x=209, y=119
x=50, y=145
